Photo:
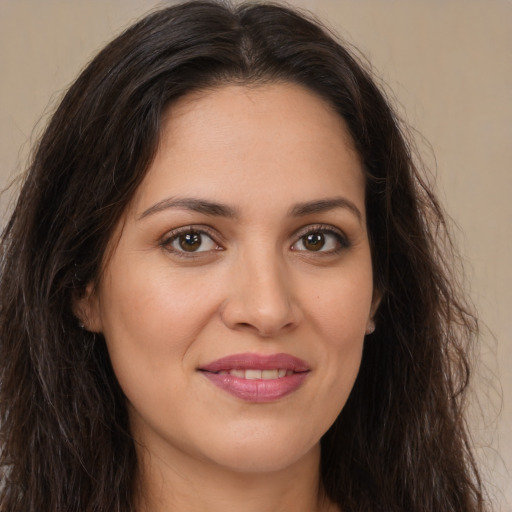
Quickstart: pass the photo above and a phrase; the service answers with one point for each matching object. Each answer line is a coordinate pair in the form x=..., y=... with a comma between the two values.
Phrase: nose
x=261, y=299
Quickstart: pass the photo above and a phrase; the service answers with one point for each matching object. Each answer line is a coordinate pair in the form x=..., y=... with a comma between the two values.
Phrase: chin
x=263, y=453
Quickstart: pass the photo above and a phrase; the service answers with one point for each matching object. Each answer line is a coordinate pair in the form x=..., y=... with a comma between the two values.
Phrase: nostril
x=259, y=313
x=260, y=330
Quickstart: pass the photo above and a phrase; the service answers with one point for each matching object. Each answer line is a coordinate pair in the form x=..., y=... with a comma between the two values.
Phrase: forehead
x=255, y=108
x=248, y=143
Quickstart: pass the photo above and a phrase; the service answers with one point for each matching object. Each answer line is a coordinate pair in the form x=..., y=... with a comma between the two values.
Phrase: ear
x=377, y=297
x=87, y=309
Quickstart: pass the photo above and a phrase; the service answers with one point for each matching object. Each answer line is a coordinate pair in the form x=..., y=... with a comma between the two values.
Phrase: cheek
x=150, y=319
x=341, y=309
x=340, y=315
x=151, y=298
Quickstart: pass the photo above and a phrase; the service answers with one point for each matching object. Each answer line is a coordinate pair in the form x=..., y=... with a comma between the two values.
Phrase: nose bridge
x=261, y=297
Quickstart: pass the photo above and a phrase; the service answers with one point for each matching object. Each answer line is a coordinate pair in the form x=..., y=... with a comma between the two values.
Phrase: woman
x=224, y=286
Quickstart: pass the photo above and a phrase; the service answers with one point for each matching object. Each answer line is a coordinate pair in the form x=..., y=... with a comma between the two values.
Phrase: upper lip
x=248, y=361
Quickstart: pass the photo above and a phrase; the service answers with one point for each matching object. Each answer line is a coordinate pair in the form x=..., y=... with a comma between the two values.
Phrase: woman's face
x=239, y=287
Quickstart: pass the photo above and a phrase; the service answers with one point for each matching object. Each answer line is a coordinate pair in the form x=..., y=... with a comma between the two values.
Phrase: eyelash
x=173, y=236
x=324, y=229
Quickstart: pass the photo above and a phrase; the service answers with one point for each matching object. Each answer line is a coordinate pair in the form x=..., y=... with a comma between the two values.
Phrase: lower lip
x=257, y=390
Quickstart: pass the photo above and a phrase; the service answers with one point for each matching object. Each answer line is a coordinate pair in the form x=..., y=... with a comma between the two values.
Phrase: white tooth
x=237, y=373
x=252, y=374
x=289, y=372
x=269, y=374
x=281, y=373
x=223, y=372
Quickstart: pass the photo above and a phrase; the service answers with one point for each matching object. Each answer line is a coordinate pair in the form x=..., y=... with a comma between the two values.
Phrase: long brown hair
x=400, y=443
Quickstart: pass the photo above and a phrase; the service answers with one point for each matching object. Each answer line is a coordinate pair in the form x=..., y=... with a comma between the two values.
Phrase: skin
x=253, y=285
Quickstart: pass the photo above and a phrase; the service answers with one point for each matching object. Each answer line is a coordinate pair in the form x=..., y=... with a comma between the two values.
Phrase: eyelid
x=322, y=228
x=170, y=236
x=311, y=228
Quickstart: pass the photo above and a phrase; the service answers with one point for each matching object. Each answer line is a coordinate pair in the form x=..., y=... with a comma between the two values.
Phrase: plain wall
x=448, y=64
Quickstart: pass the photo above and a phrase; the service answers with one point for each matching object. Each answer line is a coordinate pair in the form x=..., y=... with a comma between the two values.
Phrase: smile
x=253, y=374
x=257, y=378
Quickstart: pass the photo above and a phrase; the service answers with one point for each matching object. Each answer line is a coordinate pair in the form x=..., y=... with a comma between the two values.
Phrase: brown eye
x=324, y=240
x=314, y=241
x=191, y=242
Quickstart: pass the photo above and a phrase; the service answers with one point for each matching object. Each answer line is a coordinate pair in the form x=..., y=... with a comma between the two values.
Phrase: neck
x=190, y=486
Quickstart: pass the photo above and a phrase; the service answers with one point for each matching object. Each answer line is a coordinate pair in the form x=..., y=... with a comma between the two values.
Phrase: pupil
x=190, y=242
x=314, y=241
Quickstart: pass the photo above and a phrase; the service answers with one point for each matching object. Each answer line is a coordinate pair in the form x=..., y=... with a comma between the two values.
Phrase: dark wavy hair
x=399, y=444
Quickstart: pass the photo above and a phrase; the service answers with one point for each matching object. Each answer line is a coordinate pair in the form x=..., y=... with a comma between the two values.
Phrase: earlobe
x=370, y=326
x=86, y=309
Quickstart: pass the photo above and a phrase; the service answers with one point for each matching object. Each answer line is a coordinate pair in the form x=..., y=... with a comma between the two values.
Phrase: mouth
x=257, y=378
x=253, y=373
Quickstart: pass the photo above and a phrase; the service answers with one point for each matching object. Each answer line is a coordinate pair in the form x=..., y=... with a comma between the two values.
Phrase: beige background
x=449, y=65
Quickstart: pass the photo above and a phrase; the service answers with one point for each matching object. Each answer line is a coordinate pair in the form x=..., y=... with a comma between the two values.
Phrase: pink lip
x=257, y=390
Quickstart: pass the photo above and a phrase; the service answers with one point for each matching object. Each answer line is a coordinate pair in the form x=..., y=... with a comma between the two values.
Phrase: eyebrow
x=214, y=209
x=189, y=203
x=324, y=205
